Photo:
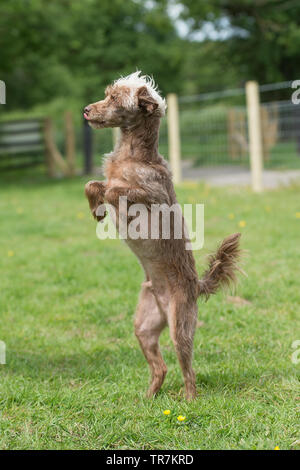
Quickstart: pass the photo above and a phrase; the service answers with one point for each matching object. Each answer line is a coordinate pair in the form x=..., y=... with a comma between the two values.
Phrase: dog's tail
x=222, y=266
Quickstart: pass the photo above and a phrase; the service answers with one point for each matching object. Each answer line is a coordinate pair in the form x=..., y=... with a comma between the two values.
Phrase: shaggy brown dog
x=136, y=169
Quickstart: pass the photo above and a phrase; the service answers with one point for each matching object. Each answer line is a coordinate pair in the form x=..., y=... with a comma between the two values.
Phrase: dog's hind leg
x=182, y=317
x=149, y=322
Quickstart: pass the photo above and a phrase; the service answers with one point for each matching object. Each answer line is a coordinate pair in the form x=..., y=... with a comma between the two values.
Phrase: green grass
x=75, y=377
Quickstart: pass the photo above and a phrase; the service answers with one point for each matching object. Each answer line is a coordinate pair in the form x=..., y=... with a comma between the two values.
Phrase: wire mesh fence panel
x=281, y=134
x=214, y=128
x=214, y=133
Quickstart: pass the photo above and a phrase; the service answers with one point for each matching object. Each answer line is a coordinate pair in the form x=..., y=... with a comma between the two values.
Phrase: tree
x=72, y=48
x=263, y=40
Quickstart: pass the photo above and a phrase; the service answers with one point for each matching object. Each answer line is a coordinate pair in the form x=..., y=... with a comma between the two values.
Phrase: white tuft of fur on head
x=136, y=80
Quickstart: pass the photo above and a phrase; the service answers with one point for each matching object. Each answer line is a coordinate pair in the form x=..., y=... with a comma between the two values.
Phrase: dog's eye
x=113, y=97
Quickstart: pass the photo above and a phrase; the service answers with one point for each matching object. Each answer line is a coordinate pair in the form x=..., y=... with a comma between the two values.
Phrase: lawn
x=75, y=377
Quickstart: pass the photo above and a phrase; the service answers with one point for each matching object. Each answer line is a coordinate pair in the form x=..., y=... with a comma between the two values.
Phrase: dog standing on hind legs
x=135, y=169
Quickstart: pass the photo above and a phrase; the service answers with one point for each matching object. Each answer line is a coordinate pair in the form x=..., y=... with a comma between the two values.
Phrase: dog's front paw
x=100, y=213
x=112, y=196
x=94, y=191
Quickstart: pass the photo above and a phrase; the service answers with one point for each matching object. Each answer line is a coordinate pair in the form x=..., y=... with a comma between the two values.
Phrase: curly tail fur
x=222, y=266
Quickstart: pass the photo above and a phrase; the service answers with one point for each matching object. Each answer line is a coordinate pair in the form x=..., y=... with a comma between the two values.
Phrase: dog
x=136, y=170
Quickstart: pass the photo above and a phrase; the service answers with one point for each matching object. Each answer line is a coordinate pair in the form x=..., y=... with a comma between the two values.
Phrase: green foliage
x=207, y=67
x=262, y=40
x=73, y=49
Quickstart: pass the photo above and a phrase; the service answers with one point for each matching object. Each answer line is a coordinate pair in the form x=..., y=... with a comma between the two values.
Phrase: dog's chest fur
x=129, y=173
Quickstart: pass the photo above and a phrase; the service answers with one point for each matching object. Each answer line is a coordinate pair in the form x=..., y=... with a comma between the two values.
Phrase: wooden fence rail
x=25, y=143
x=21, y=143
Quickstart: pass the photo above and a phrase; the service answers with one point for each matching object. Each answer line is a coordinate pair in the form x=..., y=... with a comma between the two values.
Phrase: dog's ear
x=145, y=100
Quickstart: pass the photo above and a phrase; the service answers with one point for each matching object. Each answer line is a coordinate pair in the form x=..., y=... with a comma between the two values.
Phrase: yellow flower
x=10, y=253
x=167, y=412
x=181, y=418
x=80, y=215
x=242, y=223
x=297, y=215
x=231, y=216
x=20, y=210
x=268, y=209
x=276, y=448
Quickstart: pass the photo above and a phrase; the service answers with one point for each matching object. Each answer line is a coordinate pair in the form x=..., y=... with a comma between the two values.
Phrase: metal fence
x=211, y=130
x=214, y=128
x=281, y=134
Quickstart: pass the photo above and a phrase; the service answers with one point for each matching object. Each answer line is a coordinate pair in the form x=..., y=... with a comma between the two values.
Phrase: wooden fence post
x=116, y=132
x=87, y=148
x=54, y=156
x=70, y=143
x=255, y=135
x=174, y=137
x=49, y=160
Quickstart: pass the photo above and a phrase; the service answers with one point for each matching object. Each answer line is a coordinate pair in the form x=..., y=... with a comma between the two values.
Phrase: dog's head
x=126, y=102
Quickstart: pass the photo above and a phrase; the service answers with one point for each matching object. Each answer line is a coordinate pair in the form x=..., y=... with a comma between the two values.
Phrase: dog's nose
x=87, y=109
